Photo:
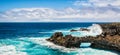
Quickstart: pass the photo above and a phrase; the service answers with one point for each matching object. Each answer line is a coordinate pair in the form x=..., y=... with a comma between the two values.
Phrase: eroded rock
x=109, y=39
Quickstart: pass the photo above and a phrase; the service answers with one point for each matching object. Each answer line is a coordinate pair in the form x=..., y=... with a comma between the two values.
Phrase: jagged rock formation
x=111, y=29
x=81, y=29
x=109, y=42
x=109, y=39
x=67, y=41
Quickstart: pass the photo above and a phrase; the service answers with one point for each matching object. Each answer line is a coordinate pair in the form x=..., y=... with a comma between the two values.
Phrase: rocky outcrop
x=84, y=29
x=109, y=42
x=111, y=29
x=109, y=39
x=67, y=41
x=81, y=29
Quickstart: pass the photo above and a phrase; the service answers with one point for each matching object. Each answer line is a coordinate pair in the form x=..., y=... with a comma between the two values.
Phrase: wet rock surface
x=81, y=29
x=109, y=39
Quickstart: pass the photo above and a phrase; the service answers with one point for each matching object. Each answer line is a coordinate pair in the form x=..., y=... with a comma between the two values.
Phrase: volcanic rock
x=109, y=39
x=84, y=29
x=73, y=30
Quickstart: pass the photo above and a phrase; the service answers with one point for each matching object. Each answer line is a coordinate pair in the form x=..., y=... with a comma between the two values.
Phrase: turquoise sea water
x=29, y=39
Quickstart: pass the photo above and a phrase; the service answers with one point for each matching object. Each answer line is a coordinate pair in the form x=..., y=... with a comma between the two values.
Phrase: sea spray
x=95, y=29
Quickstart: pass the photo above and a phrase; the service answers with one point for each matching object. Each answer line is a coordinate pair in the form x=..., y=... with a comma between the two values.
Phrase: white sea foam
x=43, y=42
x=64, y=30
x=14, y=50
x=10, y=50
x=46, y=32
x=79, y=51
x=91, y=51
x=95, y=29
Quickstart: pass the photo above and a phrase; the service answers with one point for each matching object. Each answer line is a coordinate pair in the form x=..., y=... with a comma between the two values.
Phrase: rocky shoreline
x=108, y=39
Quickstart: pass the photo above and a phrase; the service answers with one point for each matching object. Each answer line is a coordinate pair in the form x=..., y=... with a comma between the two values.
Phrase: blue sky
x=57, y=4
x=59, y=10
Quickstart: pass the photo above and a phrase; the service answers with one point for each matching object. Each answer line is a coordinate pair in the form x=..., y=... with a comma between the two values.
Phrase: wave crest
x=10, y=50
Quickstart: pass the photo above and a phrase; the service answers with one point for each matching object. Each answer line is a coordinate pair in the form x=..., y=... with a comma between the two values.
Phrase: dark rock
x=81, y=29
x=111, y=28
x=84, y=29
x=109, y=39
x=57, y=34
x=67, y=41
x=73, y=30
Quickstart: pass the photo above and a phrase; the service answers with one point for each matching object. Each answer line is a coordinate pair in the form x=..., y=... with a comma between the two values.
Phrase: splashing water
x=95, y=29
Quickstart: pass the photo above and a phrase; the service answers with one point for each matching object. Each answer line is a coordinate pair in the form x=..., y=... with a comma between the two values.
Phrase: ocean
x=29, y=39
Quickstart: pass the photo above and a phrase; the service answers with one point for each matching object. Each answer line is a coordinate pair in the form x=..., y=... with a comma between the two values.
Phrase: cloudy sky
x=59, y=10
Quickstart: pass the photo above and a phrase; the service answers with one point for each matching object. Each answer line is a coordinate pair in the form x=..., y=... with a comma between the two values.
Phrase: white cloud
x=98, y=3
x=92, y=10
x=65, y=15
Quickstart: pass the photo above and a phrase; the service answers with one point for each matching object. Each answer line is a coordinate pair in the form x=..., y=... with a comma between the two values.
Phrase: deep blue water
x=29, y=39
x=34, y=29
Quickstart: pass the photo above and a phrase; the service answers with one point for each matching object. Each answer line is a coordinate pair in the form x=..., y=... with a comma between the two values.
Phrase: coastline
x=109, y=39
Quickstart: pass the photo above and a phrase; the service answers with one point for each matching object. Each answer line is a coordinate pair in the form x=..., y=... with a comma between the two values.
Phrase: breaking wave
x=34, y=46
x=10, y=50
x=77, y=51
x=94, y=30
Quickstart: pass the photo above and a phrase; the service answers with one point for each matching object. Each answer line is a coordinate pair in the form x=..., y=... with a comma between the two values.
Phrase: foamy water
x=95, y=29
x=10, y=49
x=81, y=51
